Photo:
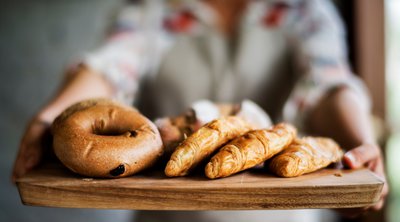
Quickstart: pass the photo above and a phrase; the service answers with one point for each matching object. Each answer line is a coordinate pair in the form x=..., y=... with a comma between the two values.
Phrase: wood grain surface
x=55, y=186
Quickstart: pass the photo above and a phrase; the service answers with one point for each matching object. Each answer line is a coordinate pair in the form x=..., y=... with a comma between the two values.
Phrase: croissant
x=250, y=150
x=174, y=130
x=203, y=143
x=306, y=155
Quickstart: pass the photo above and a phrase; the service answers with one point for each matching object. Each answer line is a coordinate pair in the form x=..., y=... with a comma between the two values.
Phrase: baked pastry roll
x=306, y=155
x=250, y=150
x=202, y=143
x=174, y=130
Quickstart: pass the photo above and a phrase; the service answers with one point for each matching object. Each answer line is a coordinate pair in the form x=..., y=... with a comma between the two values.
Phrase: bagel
x=102, y=138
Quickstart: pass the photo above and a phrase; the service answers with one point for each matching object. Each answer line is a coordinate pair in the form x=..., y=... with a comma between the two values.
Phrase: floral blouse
x=164, y=55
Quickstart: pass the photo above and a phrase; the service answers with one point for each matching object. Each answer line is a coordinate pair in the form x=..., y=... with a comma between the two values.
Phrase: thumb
x=359, y=156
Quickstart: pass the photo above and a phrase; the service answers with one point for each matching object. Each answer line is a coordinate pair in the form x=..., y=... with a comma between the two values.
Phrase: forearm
x=80, y=85
x=340, y=115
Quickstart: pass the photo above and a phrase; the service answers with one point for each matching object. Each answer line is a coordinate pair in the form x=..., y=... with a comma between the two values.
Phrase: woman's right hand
x=80, y=83
x=34, y=143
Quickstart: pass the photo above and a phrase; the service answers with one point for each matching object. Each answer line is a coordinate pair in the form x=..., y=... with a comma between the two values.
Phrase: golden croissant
x=250, y=150
x=174, y=130
x=203, y=143
x=306, y=155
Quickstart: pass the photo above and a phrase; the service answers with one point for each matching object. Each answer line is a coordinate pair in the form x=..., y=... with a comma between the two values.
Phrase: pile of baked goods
x=239, y=147
x=102, y=138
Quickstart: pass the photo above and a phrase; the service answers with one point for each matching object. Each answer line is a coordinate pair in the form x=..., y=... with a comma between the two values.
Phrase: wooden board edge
x=36, y=195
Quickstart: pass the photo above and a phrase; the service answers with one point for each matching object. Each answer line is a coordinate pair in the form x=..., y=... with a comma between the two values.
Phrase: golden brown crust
x=80, y=106
x=174, y=130
x=101, y=138
x=203, y=143
x=250, y=150
x=306, y=155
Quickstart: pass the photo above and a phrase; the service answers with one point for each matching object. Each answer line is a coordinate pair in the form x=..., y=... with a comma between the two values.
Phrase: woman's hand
x=370, y=156
x=33, y=145
x=340, y=115
x=81, y=83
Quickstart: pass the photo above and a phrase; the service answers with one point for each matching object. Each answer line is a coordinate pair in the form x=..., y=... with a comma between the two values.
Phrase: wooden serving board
x=55, y=186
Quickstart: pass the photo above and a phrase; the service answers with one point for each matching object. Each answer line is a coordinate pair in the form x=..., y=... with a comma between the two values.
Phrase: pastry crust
x=174, y=130
x=306, y=155
x=203, y=143
x=250, y=150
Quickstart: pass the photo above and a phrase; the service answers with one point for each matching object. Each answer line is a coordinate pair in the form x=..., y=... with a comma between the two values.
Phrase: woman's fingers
x=31, y=149
x=379, y=205
x=369, y=155
x=18, y=169
x=360, y=156
x=28, y=157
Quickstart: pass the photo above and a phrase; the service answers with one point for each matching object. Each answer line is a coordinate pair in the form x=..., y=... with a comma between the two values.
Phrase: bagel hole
x=116, y=132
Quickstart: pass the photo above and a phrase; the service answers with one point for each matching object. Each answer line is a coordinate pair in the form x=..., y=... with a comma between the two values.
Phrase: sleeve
x=121, y=60
x=320, y=56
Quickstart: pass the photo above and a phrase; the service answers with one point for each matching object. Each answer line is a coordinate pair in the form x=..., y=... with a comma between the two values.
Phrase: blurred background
x=38, y=39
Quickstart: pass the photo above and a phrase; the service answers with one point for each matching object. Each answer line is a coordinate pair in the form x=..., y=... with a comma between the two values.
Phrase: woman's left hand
x=370, y=156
